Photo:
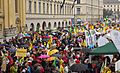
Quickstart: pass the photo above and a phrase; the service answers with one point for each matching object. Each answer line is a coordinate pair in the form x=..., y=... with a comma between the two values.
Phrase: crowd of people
x=52, y=51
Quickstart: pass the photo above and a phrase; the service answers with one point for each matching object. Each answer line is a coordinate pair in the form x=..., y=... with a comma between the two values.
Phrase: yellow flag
x=34, y=38
x=92, y=27
x=21, y=60
x=61, y=69
x=50, y=40
x=30, y=46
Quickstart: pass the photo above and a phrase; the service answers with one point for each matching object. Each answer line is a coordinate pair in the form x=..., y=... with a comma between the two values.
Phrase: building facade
x=43, y=14
x=88, y=10
x=113, y=5
x=12, y=17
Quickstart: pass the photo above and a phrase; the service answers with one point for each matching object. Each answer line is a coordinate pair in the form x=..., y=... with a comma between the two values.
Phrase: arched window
x=32, y=27
x=62, y=24
x=26, y=27
x=58, y=24
x=69, y=23
x=49, y=25
x=38, y=27
x=55, y=24
x=43, y=25
x=66, y=24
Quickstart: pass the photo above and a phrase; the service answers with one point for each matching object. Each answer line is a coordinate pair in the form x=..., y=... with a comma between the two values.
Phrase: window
x=55, y=24
x=47, y=8
x=107, y=5
x=78, y=10
x=78, y=1
x=65, y=9
x=114, y=9
x=104, y=5
x=62, y=24
x=16, y=6
x=43, y=8
x=54, y=9
x=68, y=9
x=49, y=25
x=39, y=7
x=50, y=8
x=111, y=5
x=118, y=10
x=30, y=6
x=0, y=4
x=35, y=7
x=114, y=5
x=60, y=8
x=57, y=9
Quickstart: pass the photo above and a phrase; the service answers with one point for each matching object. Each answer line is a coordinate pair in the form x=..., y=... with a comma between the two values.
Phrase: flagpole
x=74, y=15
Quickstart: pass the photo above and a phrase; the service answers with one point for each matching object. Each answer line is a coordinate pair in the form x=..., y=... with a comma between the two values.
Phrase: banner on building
x=21, y=52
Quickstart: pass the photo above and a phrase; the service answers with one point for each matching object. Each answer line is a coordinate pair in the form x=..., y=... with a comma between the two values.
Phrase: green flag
x=54, y=63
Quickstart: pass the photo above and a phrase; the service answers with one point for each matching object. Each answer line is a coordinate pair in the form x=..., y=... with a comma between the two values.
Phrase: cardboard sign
x=21, y=52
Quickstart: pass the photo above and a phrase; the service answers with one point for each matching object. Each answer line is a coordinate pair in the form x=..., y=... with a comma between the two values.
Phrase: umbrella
x=35, y=47
x=78, y=68
x=76, y=48
x=53, y=51
x=51, y=58
x=53, y=33
x=65, y=30
x=54, y=38
x=44, y=56
x=1, y=45
x=86, y=50
x=12, y=49
x=107, y=36
x=20, y=35
x=107, y=49
x=25, y=46
x=100, y=41
x=26, y=35
x=57, y=55
x=53, y=46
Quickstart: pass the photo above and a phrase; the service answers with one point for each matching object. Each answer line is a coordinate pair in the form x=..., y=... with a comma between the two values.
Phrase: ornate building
x=12, y=17
x=50, y=14
x=112, y=5
x=88, y=10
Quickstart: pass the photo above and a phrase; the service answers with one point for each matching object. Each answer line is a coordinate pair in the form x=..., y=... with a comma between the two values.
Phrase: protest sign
x=21, y=52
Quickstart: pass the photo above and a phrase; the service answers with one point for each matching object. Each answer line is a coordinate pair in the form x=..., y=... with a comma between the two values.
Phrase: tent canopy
x=107, y=49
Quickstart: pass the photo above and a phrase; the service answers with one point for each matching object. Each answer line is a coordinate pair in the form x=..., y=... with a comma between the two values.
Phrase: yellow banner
x=21, y=52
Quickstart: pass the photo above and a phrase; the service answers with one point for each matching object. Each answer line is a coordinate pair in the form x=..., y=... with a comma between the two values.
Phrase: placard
x=21, y=52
